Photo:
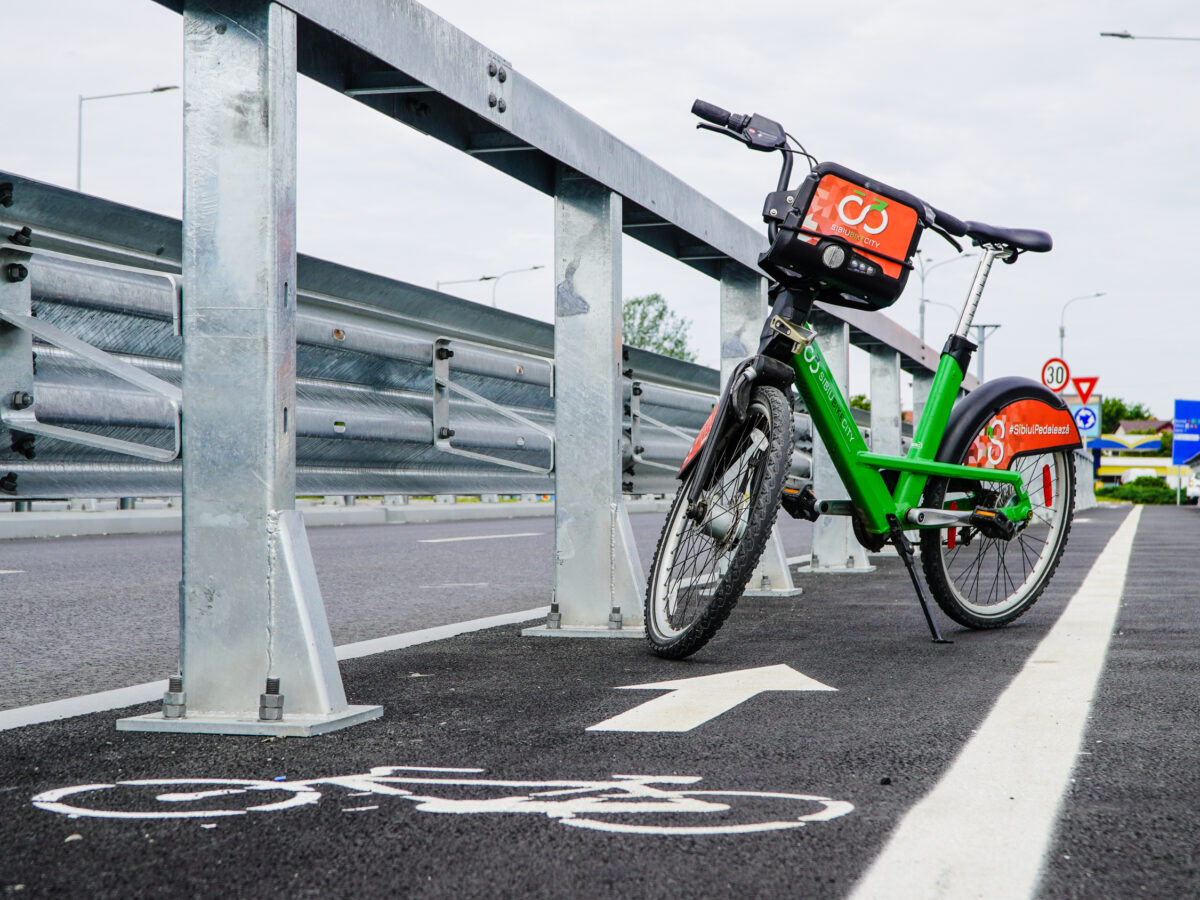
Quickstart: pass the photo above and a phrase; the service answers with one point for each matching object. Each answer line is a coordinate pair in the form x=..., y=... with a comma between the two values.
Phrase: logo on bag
x=862, y=210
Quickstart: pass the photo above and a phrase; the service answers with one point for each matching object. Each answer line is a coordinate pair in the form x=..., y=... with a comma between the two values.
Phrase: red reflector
x=1046, y=486
x=953, y=532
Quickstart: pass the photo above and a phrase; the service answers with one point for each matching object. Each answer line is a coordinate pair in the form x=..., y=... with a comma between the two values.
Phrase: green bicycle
x=988, y=482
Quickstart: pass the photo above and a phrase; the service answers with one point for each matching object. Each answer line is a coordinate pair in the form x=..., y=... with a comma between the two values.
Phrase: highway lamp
x=1062, y=331
x=158, y=89
x=1125, y=35
x=494, y=279
x=923, y=269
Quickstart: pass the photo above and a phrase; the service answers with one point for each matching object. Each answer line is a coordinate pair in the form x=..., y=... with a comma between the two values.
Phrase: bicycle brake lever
x=724, y=131
x=941, y=232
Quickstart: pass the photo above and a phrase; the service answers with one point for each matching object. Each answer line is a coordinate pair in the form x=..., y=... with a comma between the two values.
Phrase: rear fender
x=1004, y=419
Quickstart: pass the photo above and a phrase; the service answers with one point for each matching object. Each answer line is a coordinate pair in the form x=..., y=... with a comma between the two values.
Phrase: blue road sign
x=1186, y=444
x=1087, y=419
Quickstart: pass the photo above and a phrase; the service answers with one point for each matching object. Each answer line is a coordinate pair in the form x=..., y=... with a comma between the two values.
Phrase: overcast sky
x=1018, y=114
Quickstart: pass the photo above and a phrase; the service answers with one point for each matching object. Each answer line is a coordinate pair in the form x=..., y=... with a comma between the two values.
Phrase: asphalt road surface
x=889, y=767
x=89, y=614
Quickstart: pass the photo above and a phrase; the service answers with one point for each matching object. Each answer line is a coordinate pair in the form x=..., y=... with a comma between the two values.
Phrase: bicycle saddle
x=1020, y=238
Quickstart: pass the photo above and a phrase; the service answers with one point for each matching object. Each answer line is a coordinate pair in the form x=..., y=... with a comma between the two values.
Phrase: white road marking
x=454, y=584
x=480, y=537
x=153, y=690
x=693, y=701
x=12, y=571
x=985, y=828
x=440, y=632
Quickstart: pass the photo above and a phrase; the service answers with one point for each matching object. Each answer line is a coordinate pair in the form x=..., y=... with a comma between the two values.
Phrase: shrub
x=1145, y=490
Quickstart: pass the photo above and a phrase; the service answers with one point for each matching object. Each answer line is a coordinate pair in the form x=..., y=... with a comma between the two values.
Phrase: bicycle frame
x=861, y=470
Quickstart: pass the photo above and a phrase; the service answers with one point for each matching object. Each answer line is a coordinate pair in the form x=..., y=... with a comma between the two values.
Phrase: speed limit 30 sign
x=1055, y=374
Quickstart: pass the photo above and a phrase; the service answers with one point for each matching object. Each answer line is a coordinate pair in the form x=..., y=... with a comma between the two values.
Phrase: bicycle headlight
x=833, y=256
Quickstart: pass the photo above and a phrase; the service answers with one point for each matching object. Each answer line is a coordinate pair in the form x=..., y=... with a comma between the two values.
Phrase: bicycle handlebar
x=949, y=223
x=710, y=112
x=760, y=133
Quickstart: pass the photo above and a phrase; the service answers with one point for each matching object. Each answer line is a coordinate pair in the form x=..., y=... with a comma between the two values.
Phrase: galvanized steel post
x=743, y=309
x=835, y=549
x=885, y=401
x=16, y=364
x=252, y=608
x=598, y=580
x=922, y=383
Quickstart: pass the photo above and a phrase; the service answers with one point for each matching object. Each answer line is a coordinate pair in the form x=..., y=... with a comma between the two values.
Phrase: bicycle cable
x=812, y=160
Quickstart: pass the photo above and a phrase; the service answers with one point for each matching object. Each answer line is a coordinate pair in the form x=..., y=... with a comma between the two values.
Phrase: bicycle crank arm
x=993, y=523
x=938, y=518
x=835, y=507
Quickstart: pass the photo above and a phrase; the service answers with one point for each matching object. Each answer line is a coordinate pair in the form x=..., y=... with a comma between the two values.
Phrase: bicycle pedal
x=800, y=503
x=993, y=524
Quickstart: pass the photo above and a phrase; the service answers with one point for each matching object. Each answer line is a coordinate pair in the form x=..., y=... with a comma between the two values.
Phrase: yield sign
x=1084, y=388
x=693, y=701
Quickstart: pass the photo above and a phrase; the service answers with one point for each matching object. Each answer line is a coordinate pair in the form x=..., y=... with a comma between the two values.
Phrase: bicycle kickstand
x=906, y=554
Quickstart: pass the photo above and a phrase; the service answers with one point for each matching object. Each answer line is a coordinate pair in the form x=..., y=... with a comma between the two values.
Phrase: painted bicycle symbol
x=624, y=804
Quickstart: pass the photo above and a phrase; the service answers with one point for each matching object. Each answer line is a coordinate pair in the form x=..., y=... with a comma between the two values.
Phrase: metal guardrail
x=457, y=397
x=299, y=374
x=404, y=61
x=388, y=402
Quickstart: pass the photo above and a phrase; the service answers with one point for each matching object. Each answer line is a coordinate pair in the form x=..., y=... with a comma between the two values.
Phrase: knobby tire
x=683, y=607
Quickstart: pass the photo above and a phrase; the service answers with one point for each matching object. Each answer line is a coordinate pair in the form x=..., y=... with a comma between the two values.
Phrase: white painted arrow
x=693, y=701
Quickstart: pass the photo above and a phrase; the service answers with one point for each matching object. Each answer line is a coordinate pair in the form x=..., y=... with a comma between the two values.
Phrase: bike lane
x=1128, y=823
x=520, y=710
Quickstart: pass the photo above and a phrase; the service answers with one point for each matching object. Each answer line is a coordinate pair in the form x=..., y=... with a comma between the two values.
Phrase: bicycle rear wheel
x=707, y=552
x=984, y=582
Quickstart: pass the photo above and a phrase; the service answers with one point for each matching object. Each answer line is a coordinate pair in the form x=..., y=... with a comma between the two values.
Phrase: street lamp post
x=496, y=279
x=1125, y=35
x=923, y=269
x=158, y=89
x=492, y=278
x=1062, y=331
x=982, y=333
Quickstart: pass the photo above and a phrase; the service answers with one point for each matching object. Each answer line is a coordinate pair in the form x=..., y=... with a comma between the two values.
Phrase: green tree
x=648, y=323
x=860, y=401
x=1114, y=409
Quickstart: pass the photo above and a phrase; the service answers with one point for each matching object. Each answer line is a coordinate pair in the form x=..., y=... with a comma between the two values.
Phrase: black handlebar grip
x=711, y=113
x=949, y=223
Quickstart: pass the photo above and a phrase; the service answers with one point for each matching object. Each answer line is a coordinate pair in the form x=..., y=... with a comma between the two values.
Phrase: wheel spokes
x=990, y=575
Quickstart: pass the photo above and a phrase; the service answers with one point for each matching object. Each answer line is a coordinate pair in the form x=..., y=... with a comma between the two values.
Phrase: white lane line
x=440, y=632
x=985, y=828
x=453, y=584
x=480, y=537
x=12, y=571
x=153, y=690
x=81, y=706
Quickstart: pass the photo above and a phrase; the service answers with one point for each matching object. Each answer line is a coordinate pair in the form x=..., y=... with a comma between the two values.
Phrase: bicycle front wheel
x=984, y=582
x=707, y=552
